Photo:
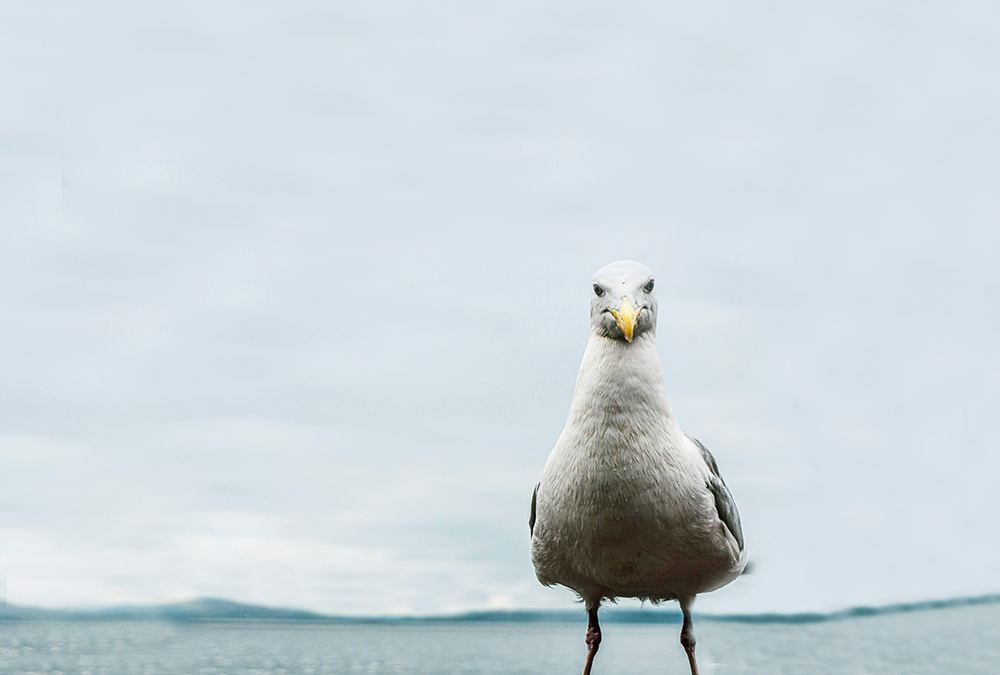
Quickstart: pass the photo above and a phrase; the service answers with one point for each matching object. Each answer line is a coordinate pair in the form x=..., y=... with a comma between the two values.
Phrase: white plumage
x=628, y=505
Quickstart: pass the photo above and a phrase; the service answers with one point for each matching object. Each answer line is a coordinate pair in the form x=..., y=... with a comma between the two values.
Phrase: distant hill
x=215, y=610
x=204, y=609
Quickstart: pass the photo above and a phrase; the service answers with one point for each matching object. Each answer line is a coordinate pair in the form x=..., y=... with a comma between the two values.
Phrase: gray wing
x=531, y=518
x=724, y=502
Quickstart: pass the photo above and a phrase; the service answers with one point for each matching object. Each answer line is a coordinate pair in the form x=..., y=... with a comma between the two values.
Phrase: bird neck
x=620, y=377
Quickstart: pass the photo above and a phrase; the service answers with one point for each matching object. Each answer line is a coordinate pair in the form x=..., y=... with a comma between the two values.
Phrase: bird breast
x=613, y=469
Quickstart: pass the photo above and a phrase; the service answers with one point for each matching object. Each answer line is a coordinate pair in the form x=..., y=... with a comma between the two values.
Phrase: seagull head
x=622, y=301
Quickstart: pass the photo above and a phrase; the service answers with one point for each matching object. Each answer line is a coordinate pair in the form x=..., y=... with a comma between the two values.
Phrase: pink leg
x=593, y=639
x=687, y=634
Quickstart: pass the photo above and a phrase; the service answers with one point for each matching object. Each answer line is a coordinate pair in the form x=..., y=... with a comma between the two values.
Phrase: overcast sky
x=294, y=295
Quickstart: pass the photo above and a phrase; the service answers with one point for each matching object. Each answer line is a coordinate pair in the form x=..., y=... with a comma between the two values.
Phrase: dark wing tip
x=531, y=518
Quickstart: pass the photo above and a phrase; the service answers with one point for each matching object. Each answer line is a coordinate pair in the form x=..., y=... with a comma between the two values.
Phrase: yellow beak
x=626, y=318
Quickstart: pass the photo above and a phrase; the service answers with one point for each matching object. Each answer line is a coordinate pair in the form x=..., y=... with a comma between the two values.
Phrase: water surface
x=960, y=640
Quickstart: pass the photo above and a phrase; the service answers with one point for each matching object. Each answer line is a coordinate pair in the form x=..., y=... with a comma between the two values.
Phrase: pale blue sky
x=294, y=295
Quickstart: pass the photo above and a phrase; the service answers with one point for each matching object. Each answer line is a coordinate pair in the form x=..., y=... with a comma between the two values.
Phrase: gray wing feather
x=724, y=502
x=531, y=518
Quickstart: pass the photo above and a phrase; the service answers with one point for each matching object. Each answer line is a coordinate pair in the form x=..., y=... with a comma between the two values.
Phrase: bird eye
x=648, y=287
x=598, y=291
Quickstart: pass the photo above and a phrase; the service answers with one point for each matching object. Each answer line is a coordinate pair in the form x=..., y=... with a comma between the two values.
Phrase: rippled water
x=963, y=640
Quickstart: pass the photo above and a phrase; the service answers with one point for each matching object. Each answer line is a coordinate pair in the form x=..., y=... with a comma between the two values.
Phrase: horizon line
x=212, y=609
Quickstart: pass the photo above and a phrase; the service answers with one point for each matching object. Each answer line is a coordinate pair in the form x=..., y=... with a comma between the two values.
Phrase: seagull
x=628, y=506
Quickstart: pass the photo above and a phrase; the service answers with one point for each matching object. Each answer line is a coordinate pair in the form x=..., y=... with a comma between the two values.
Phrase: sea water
x=953, y=641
